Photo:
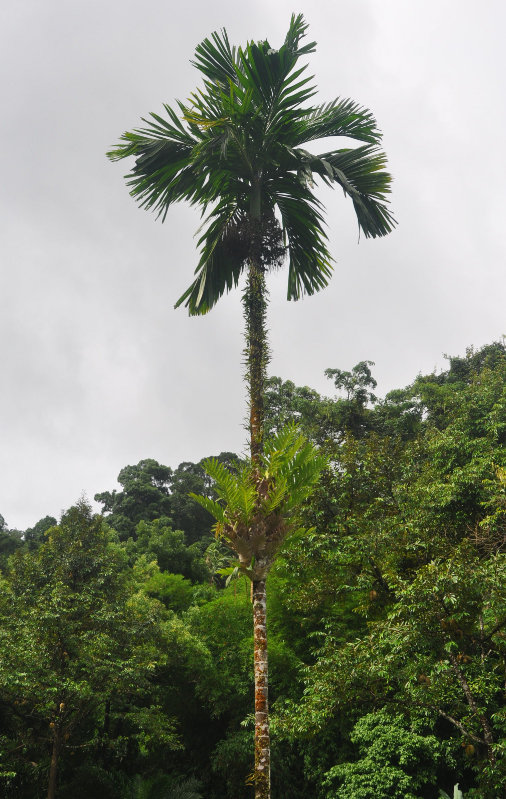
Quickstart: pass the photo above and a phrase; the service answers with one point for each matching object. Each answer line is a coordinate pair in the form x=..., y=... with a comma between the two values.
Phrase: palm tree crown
x=236, y=149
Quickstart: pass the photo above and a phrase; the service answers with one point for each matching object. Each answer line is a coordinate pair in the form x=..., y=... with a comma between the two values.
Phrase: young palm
x=257, y=507
x=236, y=149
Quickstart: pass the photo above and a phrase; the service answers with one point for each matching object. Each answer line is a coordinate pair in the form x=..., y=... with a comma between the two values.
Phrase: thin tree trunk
x=256, y=359
x=256, y=356
x=55, y=756
x=262, y=737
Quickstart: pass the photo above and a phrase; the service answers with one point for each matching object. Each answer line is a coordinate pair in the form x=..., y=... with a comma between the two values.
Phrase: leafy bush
x=395, y=761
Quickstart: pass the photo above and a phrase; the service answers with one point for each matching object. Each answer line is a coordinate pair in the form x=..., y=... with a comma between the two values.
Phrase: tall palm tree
x=236, y=149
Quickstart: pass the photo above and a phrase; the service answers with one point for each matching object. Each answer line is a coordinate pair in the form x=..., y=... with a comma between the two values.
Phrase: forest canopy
x=125, y=638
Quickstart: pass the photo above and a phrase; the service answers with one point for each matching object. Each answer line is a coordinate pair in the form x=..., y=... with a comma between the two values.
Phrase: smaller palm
x=257, y=507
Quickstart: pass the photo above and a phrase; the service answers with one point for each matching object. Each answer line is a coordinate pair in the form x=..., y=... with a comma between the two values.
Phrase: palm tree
x=236, y=149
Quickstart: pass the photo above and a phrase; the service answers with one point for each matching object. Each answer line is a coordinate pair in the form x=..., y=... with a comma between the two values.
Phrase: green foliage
x=459, y=458
x=231, y=762
x=157, y=540
x=174, y=590
x=356, y=383
x=10, y=541
x=257, y=507
x=145, y=496
x=405, y=572
x=285, y=402
x=394, y=762
x=162, y=786
x=76, y=637
x=34, y=536
x=92, y=779
x=386, y=615
x=224, y=625
x=152, y=491
x=152, y=728
x=440, y=652
x=324, y=420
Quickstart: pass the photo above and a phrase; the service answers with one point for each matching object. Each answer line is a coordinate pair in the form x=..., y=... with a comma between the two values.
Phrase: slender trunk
x=262, y=737
x=53, y=768
x=256, y=359
x=257, y=355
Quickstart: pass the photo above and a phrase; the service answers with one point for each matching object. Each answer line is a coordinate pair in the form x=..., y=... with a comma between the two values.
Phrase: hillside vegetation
x=126, y=639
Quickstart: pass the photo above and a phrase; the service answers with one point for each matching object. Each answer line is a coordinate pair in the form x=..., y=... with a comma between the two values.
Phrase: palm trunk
x=257, y=355
x=262, y=736
x=256, y=358
x=256, y=362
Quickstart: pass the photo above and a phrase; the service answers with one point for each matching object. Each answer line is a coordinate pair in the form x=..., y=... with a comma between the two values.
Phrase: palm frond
x=290, y=459
x=310, y=263
x=294, y=463
x=341, y=117
x=214, y=508
x=280, y=448
x=219, y=268
x=216, y=59
x=163, y=172
x=237, y=490
x=225, y=481
x=275, y=498
x=296, y=31
x=360, y=173
x=259, y=508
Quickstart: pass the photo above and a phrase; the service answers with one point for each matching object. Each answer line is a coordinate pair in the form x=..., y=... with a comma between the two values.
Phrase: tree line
x=126, y=637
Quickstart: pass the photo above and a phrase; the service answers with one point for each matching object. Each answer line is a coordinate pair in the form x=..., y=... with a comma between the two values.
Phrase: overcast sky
x=97, y=369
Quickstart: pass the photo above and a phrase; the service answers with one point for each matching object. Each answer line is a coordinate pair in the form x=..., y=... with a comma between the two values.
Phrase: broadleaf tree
x=77, y=638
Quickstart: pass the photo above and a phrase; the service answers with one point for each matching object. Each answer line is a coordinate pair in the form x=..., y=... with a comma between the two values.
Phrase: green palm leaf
x=341, y=117
x=214, y=508
x=266, y=500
